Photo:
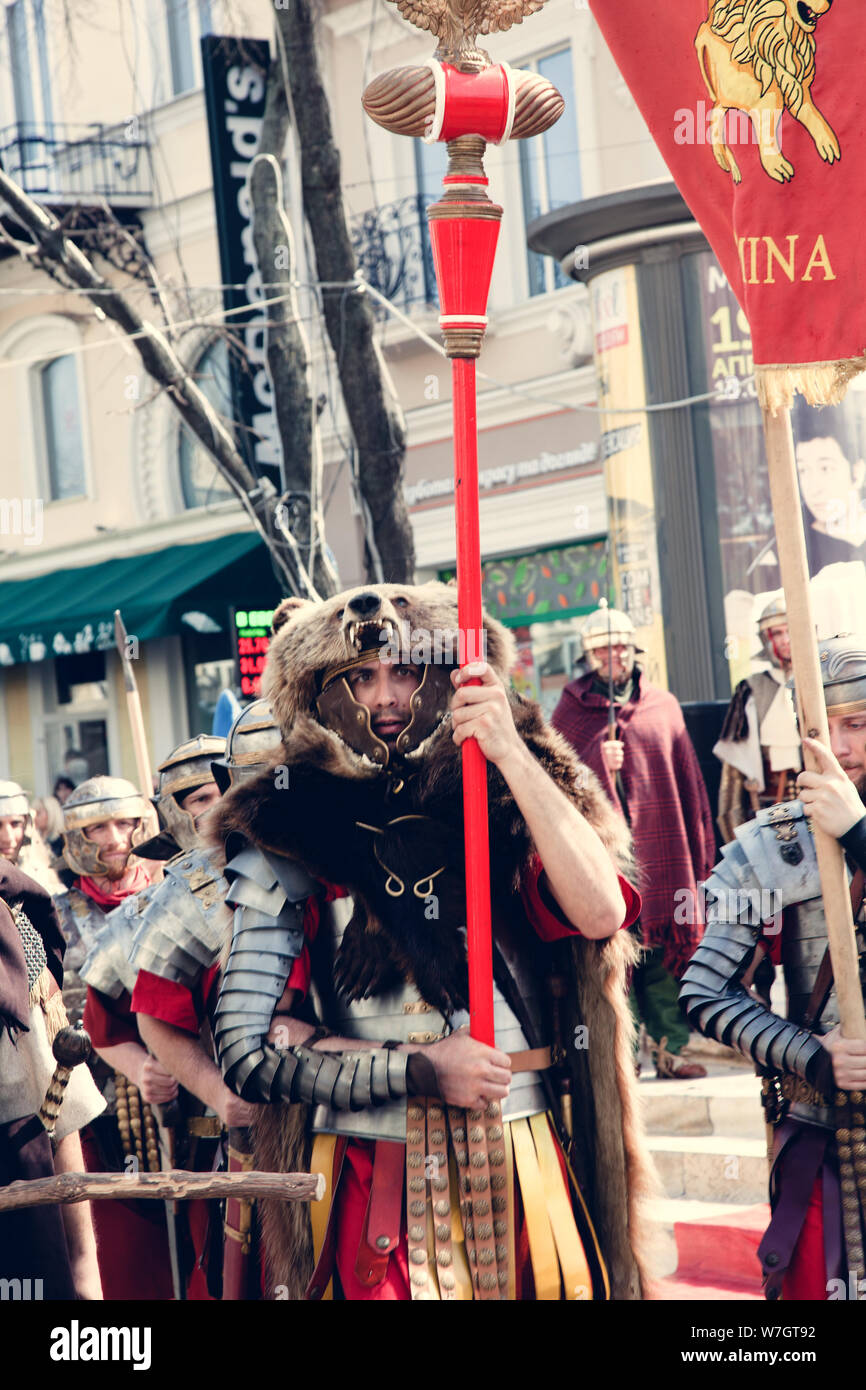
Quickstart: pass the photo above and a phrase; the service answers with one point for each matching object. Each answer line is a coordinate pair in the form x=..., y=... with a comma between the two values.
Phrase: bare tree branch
x=161, y=362
x=371, y=405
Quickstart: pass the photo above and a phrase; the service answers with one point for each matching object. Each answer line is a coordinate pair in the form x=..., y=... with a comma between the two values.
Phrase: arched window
x=201, y=482
x=61, y=429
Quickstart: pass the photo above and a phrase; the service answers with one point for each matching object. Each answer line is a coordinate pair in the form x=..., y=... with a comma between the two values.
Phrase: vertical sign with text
x=235, y=79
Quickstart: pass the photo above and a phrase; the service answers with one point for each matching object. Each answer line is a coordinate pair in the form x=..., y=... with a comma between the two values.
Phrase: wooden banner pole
x=791, y=545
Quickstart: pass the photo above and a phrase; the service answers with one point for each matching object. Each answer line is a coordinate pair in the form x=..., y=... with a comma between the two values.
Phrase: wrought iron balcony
x=65, y=164
x=392, y=248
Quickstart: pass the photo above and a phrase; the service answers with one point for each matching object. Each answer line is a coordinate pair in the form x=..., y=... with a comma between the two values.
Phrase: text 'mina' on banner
x=757, y=109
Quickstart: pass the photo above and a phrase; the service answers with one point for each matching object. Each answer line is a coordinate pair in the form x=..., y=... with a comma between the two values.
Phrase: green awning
x=70, y=611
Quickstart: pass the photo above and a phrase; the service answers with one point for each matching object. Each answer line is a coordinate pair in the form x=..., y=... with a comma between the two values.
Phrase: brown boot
x=668, y=1068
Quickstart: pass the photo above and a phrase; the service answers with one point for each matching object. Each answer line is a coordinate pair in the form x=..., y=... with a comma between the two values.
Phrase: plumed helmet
x=185, y=769
x=97, y=800
x=843, y=672
x=607, y=626
x=251, y=738
x=13, y=800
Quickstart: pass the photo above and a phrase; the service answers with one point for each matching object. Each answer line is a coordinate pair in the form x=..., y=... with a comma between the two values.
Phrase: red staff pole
x=478, y=925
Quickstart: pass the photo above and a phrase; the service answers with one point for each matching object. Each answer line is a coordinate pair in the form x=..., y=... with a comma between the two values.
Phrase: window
x=200, y=479
x=550, y=167
x=181, y=15
x=62, y=429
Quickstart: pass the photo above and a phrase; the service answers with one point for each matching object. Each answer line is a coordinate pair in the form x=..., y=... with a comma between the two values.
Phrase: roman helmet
x=608, y=627
x=775, y=612
x=13, y=800
x=97, y=800
x=843, y=672
x=373, y=631
x=251, y=738
x=185, y=769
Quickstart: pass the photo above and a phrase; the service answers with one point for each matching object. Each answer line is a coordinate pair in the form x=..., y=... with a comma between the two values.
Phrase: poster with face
x=830, y=449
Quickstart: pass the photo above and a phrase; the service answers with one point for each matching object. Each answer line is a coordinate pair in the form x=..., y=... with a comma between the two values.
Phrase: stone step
x=711, y=1167
x=727, y=1105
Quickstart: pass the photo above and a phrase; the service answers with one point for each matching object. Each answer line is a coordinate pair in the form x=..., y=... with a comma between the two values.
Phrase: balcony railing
x=63, y=164
x=392, y=248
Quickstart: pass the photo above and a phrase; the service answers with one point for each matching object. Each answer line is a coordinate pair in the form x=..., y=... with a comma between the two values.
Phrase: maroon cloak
x=674, y=842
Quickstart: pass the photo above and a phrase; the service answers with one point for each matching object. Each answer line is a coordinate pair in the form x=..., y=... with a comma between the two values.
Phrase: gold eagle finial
x=456, y=24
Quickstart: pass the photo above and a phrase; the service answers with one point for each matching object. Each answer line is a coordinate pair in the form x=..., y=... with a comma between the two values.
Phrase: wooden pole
x=133, y=705
x=791, y=545
x=165, y=1187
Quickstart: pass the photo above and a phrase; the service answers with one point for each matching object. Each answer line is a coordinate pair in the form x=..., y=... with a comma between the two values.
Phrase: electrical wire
x=361, y=286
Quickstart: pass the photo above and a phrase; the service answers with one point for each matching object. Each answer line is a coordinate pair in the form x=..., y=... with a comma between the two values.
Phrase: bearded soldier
x=360, y=1013
x=759, y=747
x=764, y=898
x=104, y=820
x=186, y=790
x=175, y=960
x=634, y=738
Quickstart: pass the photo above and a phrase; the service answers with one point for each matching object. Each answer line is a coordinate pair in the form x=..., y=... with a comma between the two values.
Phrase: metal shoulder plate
x=80, y=922
x=712, y=995
x=107, y=965
x=269, y=896
x=186, y=922
x=778, y=849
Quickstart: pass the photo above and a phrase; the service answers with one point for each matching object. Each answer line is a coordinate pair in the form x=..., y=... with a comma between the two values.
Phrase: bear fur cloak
x=318, y=803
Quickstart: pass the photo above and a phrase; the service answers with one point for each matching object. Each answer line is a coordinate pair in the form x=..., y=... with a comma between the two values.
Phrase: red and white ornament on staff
x=462, y=98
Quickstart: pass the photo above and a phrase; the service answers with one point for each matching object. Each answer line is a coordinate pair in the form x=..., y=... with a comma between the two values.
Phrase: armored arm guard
x=770, y=866
x=268, y=894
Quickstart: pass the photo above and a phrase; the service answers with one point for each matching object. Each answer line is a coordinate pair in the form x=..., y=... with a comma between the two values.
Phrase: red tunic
x=352, y=1197
x=131, y=1238
x=668, y=810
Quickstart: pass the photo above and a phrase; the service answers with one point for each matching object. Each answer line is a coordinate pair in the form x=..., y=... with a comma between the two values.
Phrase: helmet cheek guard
x=339, y=711
x=94, y=802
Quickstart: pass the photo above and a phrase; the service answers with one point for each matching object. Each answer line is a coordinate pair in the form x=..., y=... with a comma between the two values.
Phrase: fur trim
x=311, y=639
x=621, y=1154
x=281, y=1145
x=315, y=819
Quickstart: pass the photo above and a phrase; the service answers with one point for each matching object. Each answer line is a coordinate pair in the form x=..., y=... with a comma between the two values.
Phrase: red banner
x=758, y=109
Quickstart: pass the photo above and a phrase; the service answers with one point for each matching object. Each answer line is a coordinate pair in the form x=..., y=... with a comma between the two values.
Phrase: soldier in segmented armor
x=176, y=958
x=759, y=747
x=348, y=1015
x=104, y=820
x=764, y=900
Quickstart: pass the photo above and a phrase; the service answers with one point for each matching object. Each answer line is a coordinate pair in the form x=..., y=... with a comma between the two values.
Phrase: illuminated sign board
x=252, y=637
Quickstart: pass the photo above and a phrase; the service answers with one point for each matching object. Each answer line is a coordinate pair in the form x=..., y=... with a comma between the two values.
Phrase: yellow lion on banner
x=758, y=57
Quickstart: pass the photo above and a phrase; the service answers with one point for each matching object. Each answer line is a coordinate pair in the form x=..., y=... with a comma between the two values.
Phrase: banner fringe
x=821, y=383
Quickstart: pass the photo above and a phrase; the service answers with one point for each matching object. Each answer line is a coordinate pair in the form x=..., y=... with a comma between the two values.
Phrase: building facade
x=108, y=501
